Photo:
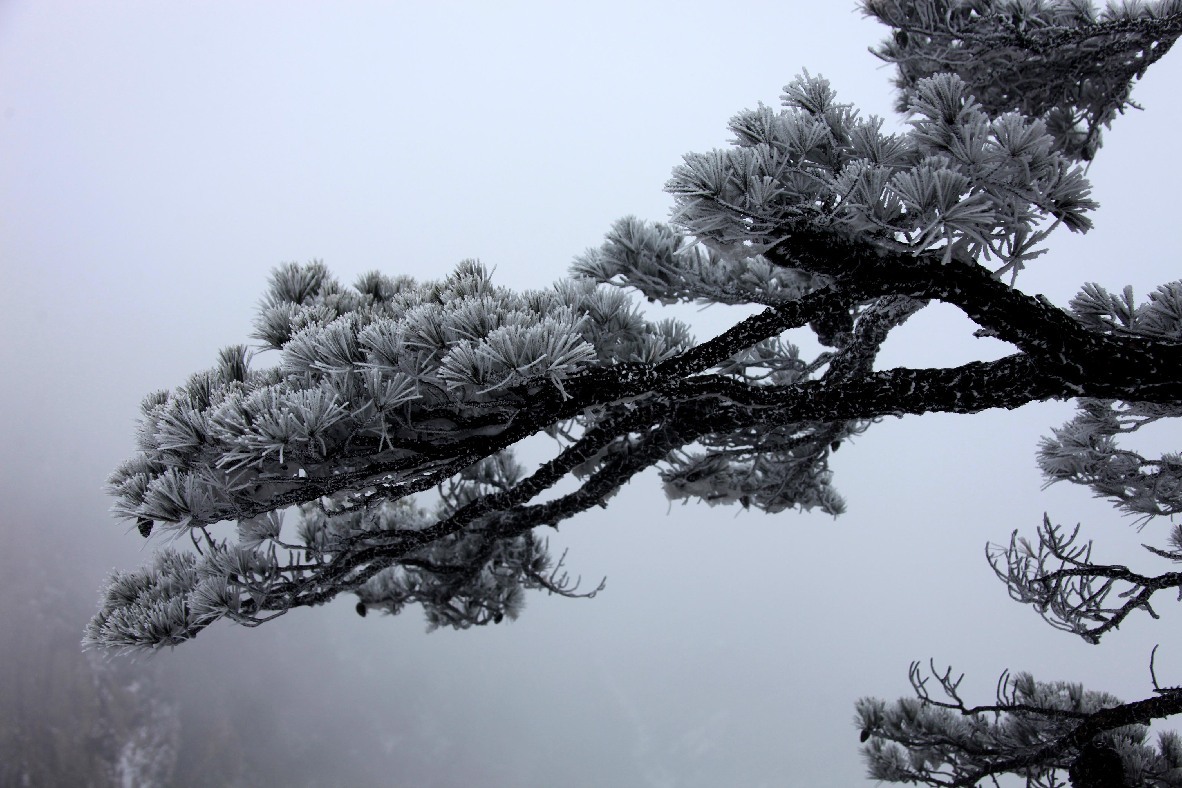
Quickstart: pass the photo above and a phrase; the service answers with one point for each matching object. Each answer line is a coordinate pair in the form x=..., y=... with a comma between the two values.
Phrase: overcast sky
x=158, y=159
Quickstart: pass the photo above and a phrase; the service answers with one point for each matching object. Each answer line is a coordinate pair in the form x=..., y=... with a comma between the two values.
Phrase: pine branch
x=1067, y=595
x=1033, y=730
x=1056, y=61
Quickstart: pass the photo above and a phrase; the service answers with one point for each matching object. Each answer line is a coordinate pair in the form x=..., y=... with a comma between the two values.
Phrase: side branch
x=1033, y=729
x=1141, y=712
x=1070, y=592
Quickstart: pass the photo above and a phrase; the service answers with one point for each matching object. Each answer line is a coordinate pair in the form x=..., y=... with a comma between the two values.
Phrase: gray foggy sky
x=158, y=159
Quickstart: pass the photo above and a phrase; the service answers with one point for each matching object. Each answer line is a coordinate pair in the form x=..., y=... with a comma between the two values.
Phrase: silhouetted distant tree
x=68, y=718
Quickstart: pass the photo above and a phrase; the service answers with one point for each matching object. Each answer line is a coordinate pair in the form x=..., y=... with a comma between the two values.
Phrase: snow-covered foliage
x=937, y=740
x=367, y=376
x=1063, y=62
x=1085, y=451
x=379, y=388
x=961, y=181
x=393, y=387
x=667, y=266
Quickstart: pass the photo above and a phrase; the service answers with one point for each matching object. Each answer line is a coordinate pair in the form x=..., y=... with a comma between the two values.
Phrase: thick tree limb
x=1131, y=368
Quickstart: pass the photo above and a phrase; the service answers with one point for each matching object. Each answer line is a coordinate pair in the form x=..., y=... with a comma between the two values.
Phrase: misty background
x=157, y=160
